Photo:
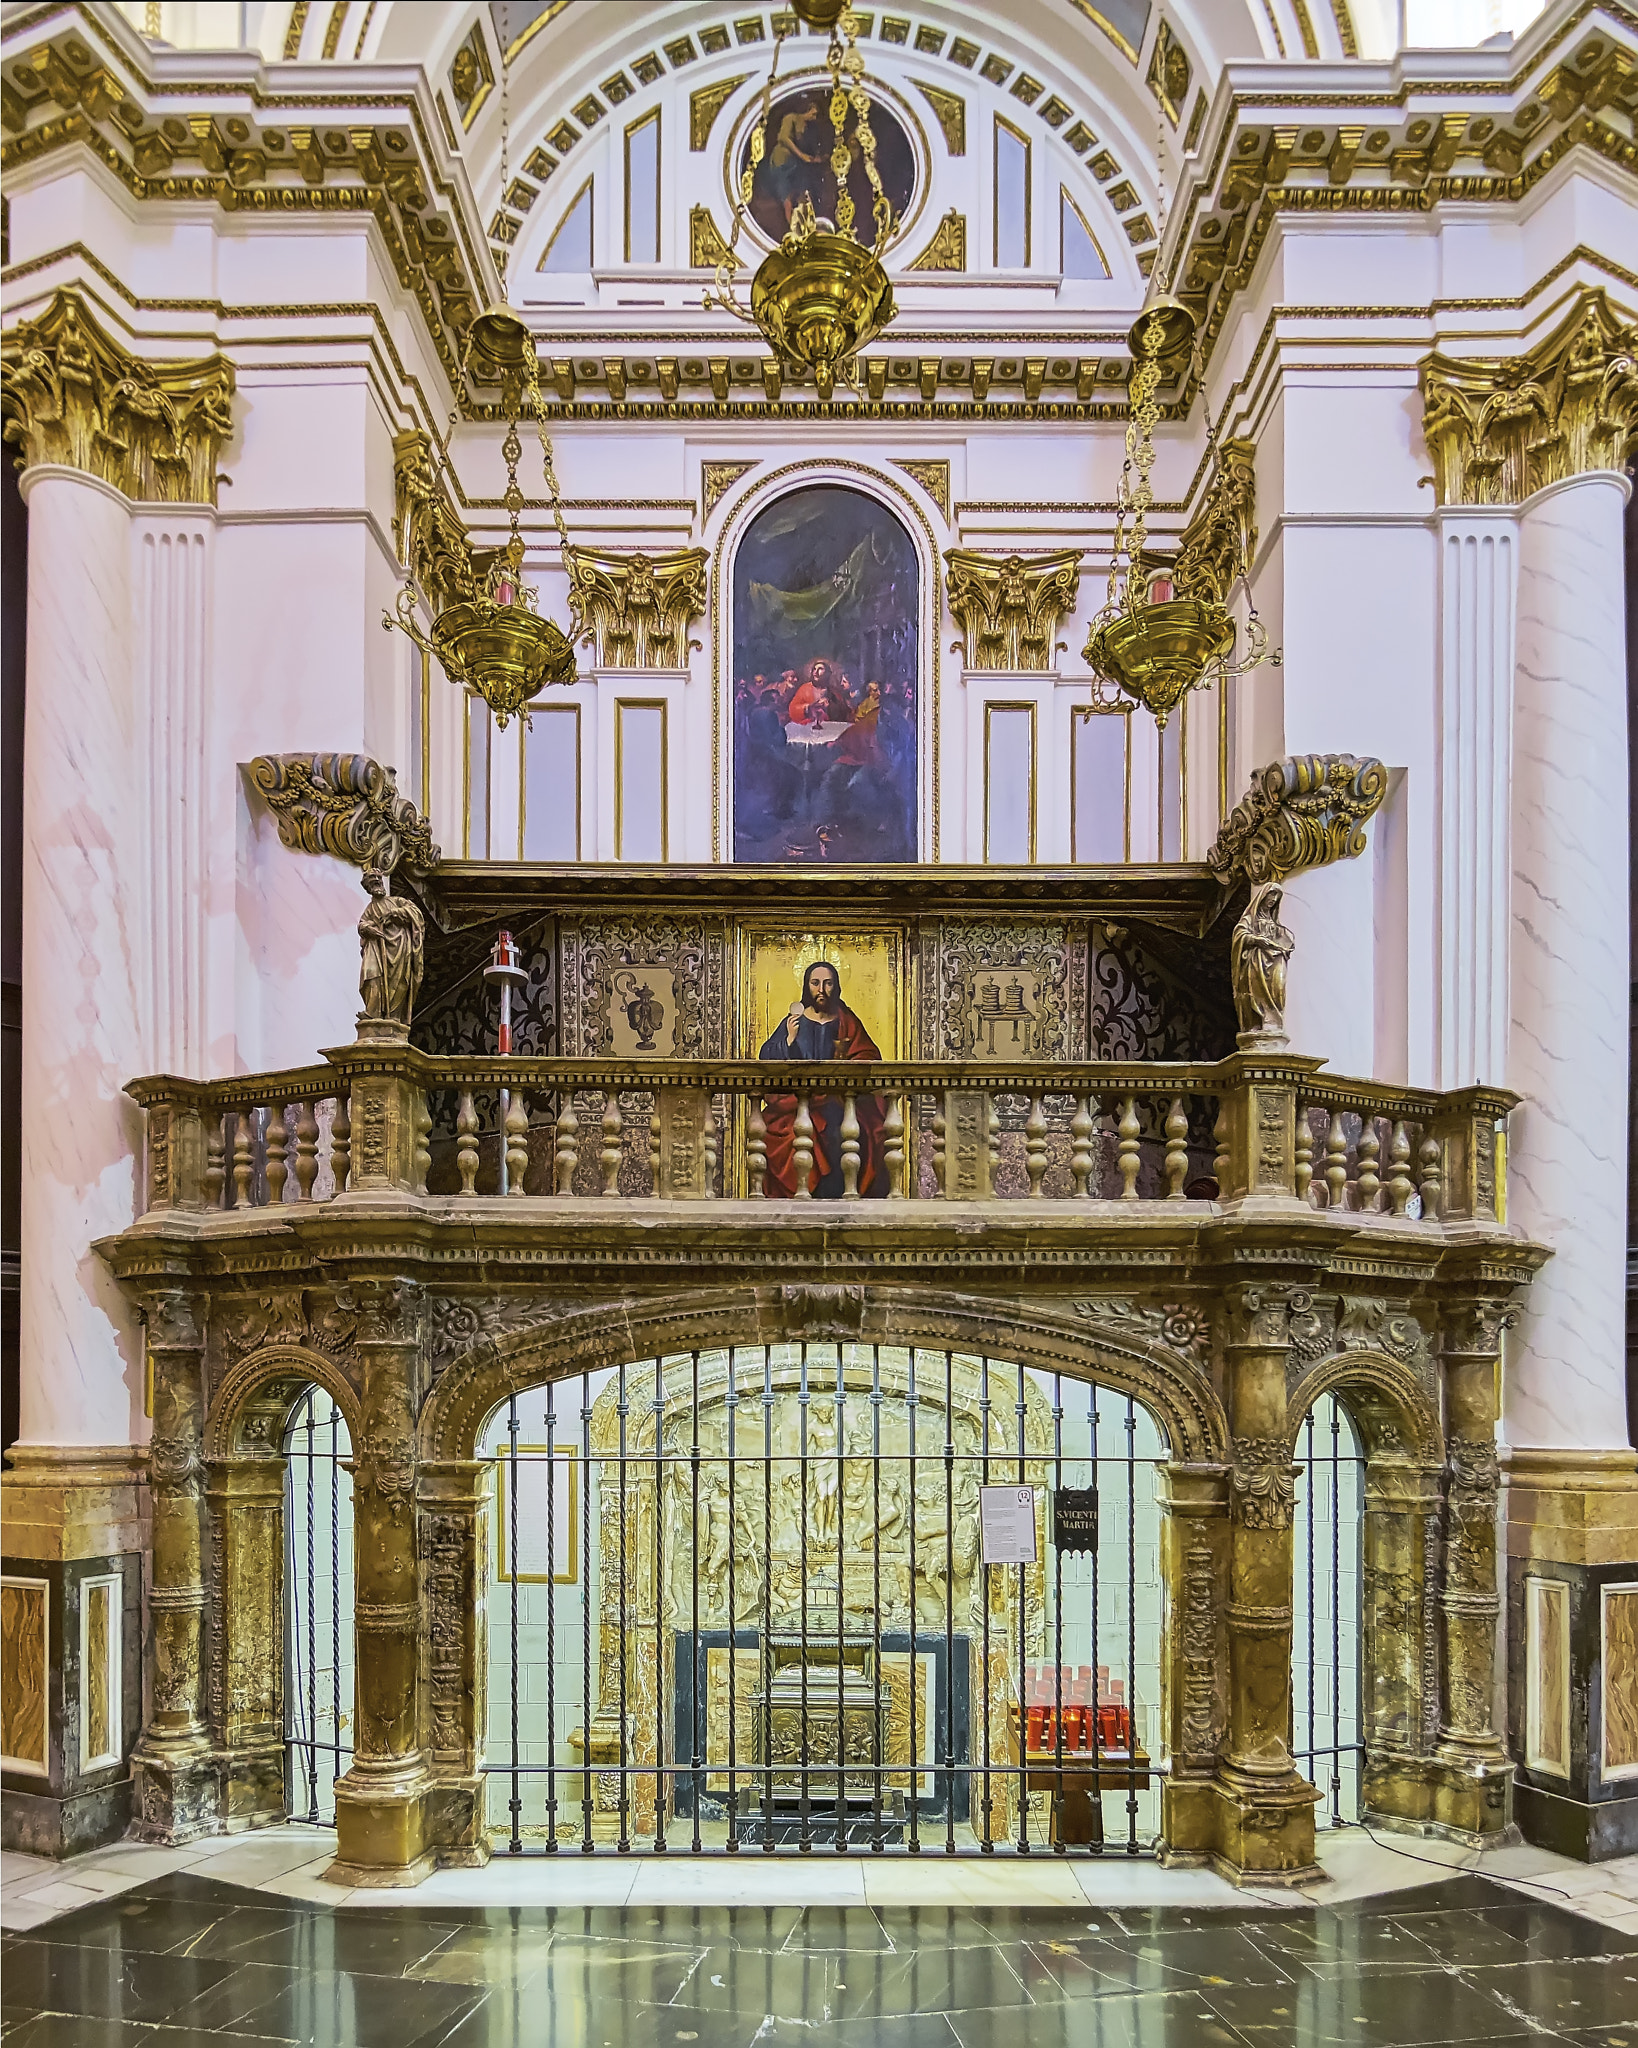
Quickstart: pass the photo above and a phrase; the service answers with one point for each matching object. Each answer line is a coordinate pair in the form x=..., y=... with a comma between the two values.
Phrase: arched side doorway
x=755, y=1599
x=1327, y=1729
x=318, y=1606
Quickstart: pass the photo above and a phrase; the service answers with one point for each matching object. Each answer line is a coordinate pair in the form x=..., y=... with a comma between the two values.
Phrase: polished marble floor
x=184, y=1959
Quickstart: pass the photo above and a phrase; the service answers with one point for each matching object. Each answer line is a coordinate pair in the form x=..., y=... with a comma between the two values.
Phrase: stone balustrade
x=681, y=1130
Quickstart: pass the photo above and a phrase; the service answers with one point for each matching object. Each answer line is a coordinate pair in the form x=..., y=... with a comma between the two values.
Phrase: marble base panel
x=43, y=1824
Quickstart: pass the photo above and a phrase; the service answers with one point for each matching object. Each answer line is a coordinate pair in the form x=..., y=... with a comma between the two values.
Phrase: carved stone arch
x=1050, y=1337
x=1388, y=1404
x=259, y=1390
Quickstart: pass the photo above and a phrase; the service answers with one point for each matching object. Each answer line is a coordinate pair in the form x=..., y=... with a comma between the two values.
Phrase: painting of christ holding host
x=820, y=1026
x=826, y=604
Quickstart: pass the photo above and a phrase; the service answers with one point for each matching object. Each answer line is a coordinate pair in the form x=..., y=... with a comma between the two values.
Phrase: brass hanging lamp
x=1153, y=640
x=492, y=639
x=822, y=295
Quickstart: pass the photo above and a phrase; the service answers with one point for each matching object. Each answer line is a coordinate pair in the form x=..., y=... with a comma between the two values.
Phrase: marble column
x=84, y=942
x=1478, y=575
x=1567, y=1046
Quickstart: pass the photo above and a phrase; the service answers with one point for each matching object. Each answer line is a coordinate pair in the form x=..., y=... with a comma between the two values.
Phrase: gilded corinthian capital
x=637, y=608
x=1009, y=607
x=1499, y=428
x=70, y=395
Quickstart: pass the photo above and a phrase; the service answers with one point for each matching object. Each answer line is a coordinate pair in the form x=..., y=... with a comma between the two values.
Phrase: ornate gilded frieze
x=1499, y=428
x=1223, y=533
x=1009, y=607
x=1300, y=813
x=637, y=608
x=346, y=805
x=71, y=395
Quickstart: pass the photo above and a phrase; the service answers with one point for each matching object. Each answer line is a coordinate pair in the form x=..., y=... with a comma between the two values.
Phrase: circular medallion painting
x=796, y=160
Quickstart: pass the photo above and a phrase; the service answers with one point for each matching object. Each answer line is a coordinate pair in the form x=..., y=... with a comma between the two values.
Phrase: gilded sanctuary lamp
x=491, y=638
x=1154, y=640
x=822, y=295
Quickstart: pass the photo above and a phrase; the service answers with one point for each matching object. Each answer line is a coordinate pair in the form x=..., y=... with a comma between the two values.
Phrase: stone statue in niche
x=391, y=937
x=1258, y=954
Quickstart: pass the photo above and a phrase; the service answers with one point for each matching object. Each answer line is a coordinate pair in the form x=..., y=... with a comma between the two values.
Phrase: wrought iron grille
x=1326, y=1721
x=318, y=1629
x=739, y=1602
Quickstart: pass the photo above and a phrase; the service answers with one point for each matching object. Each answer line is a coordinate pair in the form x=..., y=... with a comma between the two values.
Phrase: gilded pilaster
x=1265, y=1808
x=1474, y=1797
x=1194, y=1568
x=381, y=1816
x=176, y=1784
x=453, y=1499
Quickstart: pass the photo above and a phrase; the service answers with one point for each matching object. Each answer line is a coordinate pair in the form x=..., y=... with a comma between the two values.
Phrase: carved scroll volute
x=636, y=608
x=1009, y=608
x=1500, y=428
x=71, y=395
x=346, y=805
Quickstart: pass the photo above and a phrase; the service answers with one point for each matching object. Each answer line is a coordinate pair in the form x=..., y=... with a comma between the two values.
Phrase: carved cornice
x=346, y=805
x=1300, y=813
x=71, y=395
x=431, y=541
x=637, y=608
x=1499, y=428
x=1221, y=538
x=1009, y=606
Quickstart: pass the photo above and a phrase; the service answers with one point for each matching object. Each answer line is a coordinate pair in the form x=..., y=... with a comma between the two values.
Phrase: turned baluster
x=803, y=1146
x=244, y=1155
x=850, y=1145
x=1336, y=1162
x=1432, y=1187
x=712, y=1149
x=466, y=1142
x=1369, y=1182
x=1129, y=1157
x=215, y=1155
x=941, y=1157
x=613, y=1124
x=1305, y=1160
x=1177, y=1150
x=1400, y=1185
x=517, y=1141
x=277, y=1140
x=893, y=1145
x=756, y=1148
x=1083, y=1157
x=568, y=1146
x=307, y=1137
x=341, y=1141
x=421, y=1161
x=1035, y=1144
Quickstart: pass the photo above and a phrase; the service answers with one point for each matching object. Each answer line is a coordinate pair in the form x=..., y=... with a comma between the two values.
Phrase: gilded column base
x=1263, y=1829
x=177, y=1796
x=1461, y=1799
x=455, y=1822
x=381, y=1825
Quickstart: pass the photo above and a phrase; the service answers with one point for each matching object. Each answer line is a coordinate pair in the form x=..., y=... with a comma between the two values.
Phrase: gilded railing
x=387, y=1118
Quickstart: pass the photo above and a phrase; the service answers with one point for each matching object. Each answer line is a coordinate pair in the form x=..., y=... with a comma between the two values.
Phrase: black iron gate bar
x=816, y=1822
x=1314, y=1462
x=303, y=1461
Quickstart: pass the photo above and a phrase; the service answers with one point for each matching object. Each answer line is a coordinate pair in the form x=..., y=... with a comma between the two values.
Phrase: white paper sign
x=1006, y=1520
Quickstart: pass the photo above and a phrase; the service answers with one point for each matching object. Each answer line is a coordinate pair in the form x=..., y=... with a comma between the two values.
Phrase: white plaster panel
x=84, y=936
x=1568, y=1038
